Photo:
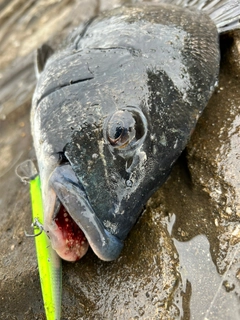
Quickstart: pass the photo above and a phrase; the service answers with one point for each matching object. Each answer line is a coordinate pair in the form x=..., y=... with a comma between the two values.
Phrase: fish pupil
x=118, y=133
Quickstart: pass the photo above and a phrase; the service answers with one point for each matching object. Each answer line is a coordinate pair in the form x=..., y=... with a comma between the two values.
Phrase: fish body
x=118, y=103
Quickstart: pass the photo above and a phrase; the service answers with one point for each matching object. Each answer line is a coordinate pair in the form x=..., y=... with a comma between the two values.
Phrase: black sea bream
x=114, y=109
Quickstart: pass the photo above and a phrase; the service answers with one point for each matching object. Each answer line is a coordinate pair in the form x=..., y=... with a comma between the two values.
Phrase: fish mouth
x=72, y=224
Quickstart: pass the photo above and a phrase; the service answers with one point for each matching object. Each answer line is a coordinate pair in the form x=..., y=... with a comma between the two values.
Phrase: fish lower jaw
x=71, y=222
x=67, y=239
x=71, y=253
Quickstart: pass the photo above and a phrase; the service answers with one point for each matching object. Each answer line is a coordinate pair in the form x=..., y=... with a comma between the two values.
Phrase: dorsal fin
x=225, y=13
x=42, y=55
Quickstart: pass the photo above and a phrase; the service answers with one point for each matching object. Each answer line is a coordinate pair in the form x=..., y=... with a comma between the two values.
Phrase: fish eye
x=121, y=129
x=125, y=128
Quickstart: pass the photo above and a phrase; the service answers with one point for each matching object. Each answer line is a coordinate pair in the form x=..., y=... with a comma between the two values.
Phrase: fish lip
x=70, y=193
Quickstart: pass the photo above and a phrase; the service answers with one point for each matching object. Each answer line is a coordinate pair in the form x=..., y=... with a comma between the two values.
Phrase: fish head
x=108, y=166
x=119, y=119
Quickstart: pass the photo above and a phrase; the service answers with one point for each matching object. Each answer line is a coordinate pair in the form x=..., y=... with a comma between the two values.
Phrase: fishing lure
x=49, y=263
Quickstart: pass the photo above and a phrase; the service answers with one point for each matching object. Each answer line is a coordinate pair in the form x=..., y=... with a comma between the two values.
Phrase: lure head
x=119, y=117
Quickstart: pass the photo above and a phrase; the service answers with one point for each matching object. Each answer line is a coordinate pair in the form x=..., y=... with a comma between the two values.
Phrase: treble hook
x=35, y=224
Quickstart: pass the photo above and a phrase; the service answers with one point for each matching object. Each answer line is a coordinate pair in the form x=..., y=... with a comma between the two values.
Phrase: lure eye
x=121, y=129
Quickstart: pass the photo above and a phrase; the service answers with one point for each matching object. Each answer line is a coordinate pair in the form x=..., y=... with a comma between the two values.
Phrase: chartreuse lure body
x=49, y=263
